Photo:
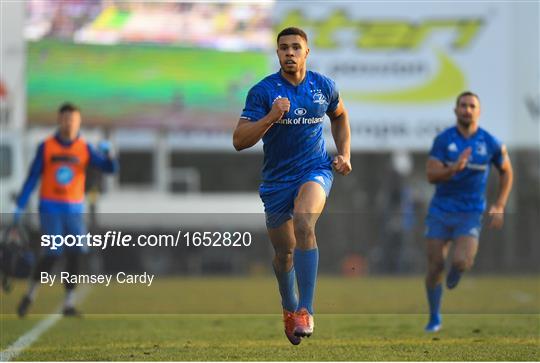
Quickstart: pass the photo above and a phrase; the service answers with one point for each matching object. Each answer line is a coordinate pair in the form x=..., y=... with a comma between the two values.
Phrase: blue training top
x=465, y=192
x=294, y=145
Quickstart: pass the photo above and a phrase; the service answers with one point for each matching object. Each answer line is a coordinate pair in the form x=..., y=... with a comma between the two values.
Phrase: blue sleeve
x=31, y=180
x=334, y=96
x=256, y=105
x=498, y=152
x=438, y=149
x=101, y=161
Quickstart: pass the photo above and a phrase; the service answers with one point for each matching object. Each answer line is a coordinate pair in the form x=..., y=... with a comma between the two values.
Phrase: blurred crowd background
x=166, y=83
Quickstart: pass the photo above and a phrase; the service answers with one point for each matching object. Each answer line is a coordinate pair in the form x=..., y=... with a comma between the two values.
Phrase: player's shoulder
x=55, y=140
x=488, y=137
x=49, y=142
x=82, y=140
x=447, y=133
x=486, y=134
x=41, y=146
x=269, y=82
x=321, y=79
x=50, y=138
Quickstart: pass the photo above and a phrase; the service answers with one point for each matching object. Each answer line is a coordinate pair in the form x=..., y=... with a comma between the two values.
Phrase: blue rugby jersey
x=465, y=191
x=294, y=145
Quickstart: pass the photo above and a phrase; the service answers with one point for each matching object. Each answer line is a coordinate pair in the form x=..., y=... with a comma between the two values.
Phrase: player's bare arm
x=437, y=171
x=248, y=133
x=506, y=178
x=341, y=131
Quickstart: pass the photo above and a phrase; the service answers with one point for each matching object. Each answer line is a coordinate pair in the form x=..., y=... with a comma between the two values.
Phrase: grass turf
x=236, y=319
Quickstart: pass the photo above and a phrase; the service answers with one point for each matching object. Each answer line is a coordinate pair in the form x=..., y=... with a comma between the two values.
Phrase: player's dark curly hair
x=292, y=31
x=464, y=94
x=67, y=107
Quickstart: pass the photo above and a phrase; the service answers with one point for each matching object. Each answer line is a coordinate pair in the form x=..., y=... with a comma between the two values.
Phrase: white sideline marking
x=33, y=334
x=30, y=337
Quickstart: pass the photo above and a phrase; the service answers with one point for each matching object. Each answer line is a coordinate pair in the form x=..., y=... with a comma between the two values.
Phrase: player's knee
x=284, y=257
x=435, y=268
x=434, y=274
x=470, y=263
x=303, y=230
x=463, y=264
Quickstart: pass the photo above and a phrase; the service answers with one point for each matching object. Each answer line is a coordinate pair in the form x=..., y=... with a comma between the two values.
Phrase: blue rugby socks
x=286, y=282
x=434, y=298
x=306, y=264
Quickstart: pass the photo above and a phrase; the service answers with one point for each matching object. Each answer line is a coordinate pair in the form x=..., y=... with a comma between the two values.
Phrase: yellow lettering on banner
x=373, y=34
x=326, y=28
x=385, y=35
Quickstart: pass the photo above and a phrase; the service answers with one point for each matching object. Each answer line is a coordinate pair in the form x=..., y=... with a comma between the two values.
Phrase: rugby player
x=459, y=164
x=286, y=110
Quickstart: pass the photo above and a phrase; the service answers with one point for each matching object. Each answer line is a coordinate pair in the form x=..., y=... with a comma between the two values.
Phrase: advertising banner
x=399, y=66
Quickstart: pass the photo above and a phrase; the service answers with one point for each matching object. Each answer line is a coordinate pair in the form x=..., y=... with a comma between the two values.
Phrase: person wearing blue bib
x=286, y=110
x=459, y=164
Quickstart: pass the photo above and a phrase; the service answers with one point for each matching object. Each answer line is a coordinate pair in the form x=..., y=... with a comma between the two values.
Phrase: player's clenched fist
x=280, y=107
x=342, y=165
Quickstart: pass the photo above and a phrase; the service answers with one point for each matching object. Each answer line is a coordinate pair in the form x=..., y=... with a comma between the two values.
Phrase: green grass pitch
x=485, y=319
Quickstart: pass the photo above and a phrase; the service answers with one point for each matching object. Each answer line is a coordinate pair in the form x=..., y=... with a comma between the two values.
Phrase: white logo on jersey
x=319, y=98
x=452, y=147
x=300, y=111
x=481, y=148
x=320, y=179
